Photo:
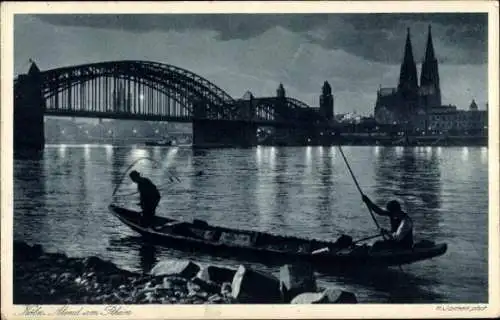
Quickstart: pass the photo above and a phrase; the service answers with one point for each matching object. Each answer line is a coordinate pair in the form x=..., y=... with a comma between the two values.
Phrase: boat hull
x=263, y=247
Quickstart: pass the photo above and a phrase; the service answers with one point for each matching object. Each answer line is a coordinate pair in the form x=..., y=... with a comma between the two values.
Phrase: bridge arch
x=284, y=110
x=136, y=76
x=91, y=90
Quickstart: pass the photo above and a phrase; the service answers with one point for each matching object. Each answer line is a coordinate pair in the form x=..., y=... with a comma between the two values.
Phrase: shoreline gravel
x=40, y=277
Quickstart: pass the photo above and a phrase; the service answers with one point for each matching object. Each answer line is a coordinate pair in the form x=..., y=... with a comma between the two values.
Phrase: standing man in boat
x=401, y=234
x=149, y=197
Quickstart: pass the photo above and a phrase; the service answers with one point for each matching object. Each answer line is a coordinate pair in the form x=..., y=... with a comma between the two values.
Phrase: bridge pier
x=224, y=134
x=301, y=136
x=29, y=106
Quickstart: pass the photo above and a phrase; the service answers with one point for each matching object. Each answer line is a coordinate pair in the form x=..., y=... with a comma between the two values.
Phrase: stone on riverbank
x=296, y=279
x=54, y=278
x=216, y=274
x=250, y=286
x=326, y=296
x=208, y=286
x=182, y=268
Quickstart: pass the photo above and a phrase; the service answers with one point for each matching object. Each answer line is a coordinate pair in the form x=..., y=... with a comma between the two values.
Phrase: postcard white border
x=257, y=311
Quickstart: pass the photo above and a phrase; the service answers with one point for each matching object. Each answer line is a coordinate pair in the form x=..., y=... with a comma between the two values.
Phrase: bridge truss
x=144, y=90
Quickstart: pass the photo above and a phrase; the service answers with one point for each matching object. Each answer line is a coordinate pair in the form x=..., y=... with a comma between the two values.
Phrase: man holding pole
x=401, y=234
x=149, y=197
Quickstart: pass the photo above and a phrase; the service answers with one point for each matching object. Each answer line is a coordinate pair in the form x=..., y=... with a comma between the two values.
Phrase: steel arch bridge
x=133, y=90
x=144, y=90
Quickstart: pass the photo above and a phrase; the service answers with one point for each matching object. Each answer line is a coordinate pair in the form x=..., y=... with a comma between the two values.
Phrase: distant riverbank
x=390, y=141
x=422, y=141
x=344, y=140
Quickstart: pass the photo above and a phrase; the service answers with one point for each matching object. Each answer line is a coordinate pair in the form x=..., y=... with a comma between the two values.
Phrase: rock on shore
x=54, y=278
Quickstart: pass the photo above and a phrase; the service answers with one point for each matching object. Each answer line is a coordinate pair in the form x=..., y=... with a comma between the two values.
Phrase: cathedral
x=410, y=102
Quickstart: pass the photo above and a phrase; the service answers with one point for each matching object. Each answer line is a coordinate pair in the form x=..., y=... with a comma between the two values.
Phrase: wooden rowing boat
x=269, y=248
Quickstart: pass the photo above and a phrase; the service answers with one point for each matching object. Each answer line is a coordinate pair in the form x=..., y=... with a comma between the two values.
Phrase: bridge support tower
x=208, y=133
x=218, y=133
x=29, y=107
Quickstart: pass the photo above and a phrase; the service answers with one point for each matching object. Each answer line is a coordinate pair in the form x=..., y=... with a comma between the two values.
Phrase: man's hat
x=134, y=174
x=393, y=206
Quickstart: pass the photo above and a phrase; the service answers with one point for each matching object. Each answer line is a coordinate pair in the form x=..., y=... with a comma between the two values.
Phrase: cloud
x=258, y=63
x=380, y=37
x=228, y=26
x=375, y=37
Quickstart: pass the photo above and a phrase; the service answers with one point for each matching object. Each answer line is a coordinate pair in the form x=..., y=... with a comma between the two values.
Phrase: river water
x=61, y=199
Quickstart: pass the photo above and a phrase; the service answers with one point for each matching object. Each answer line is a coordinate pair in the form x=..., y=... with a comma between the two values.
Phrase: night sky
x=356, y=53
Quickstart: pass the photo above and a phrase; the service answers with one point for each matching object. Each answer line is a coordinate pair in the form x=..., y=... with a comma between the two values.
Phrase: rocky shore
x=53, y=278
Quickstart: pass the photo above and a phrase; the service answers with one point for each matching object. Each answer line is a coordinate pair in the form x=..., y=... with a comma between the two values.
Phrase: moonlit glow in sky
x=355, y=53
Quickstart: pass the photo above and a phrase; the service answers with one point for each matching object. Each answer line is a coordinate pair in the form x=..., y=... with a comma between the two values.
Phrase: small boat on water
x=343, y=253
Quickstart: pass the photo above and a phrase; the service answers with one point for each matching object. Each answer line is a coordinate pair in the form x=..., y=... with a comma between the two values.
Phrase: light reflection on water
x=61, y=202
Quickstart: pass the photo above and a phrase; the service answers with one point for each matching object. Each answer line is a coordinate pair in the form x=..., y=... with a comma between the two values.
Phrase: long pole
x=367, y=238
x=357, y=185
x=369, y=209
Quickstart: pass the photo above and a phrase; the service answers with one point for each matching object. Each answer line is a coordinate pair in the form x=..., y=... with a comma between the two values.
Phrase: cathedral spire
x=429, y=51
x=429, y=77
x=408, y=74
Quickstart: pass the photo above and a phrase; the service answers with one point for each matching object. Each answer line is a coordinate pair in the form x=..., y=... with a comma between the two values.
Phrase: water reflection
x=147, y=252
x=390, y=285
x=27, y=154
x=258, y=155
x=170, y=158
x=61, y=201
x=117, y=173
x=411, y=175
x=484, y=155
x=326, y=201
x=320, y=151
x=465, y=154
x=138, y=152
x=308, y=160
x=62, y=150
x=439, y=151
x=86, y=152
x=281, y=205
x=267, y=186
x=109, y=153
x=30, y=194
x=272, y=157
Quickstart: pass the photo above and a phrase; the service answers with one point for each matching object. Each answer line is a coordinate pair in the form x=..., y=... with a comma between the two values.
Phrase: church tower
x=473, y=106
x=408, y=81
x=280, y=92
x=326, y=102
x=429, y=78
